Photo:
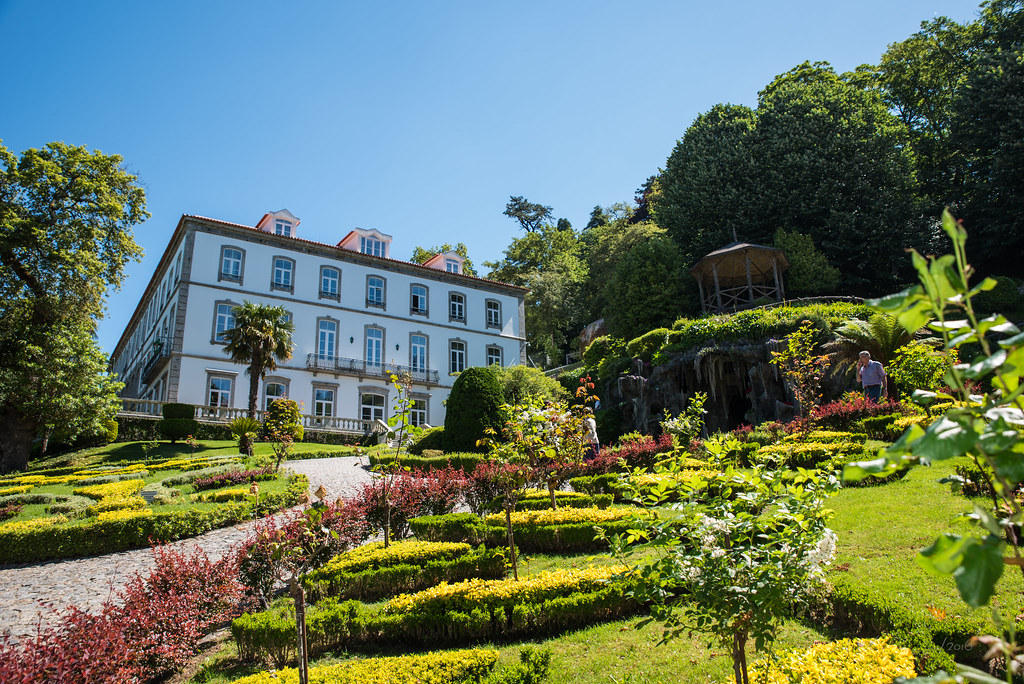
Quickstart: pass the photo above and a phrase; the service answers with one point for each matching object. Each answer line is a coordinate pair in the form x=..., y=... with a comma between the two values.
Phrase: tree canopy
x=262, y=336
x=66, y=218
x=422, y=255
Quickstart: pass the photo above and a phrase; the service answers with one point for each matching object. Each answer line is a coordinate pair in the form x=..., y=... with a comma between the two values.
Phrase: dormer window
x=452, y=266
x=446, y=261
x=281, y=222
x=369, y=245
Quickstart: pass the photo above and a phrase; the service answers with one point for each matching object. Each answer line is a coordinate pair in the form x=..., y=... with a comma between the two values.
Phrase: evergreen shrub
x=473, y=406
x=283, y=417
x=428, y=439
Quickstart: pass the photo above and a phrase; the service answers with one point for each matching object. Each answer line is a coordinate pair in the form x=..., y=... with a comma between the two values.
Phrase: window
x=283, y=228
x=418, y=353
x=230, y=264
x=369, y=245
x=283, y=269
x=220, y=391
x=371, y=406
x=225, y=320
x=374, y=346
x=457, y=307
x=323, y=402
x=493, y=311
x=330, y=281
x=375, y=291
x=418, y=412
x=273, y=392
x=451, y=265
x=418, y=300
x=326, y=339
x=457, y=356
x=494, y=356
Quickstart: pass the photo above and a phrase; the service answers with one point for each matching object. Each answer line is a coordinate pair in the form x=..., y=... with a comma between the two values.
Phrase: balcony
x=366, y=369
x=159, y=354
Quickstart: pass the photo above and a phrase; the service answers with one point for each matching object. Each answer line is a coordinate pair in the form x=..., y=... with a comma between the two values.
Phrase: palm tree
x=262, y=336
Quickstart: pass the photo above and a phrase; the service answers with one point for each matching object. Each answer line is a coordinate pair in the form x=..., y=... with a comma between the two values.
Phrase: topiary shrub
x=172, y=411
x=432, y=439
x=644, y=346
x=179, y=422
x=473, y=406
x=283, y=417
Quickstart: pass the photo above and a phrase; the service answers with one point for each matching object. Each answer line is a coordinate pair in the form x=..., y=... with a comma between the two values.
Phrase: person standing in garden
x=593, y=443
x=871, y=376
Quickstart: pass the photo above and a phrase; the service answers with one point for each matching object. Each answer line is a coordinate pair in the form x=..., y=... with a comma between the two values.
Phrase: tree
x=834, y=164
x=605, y=246
x=421, y=255
x=65, y=235
x=530, y=216
x=809, y=272
x=473, y=407
x=648, y=289
x=708, y=186
x=261, y=337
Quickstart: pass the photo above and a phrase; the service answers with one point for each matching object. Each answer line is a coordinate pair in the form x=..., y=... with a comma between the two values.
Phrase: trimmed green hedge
x=462, y=461
x=429, y=439
x=466, y=527
x=383, y=578
x=106, y=536
x=856, y=610
x=333, y=625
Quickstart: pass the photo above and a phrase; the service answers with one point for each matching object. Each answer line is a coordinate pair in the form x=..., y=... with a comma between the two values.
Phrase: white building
x=358, y=314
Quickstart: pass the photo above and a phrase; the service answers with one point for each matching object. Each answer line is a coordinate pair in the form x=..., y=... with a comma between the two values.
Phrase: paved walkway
x=87, y=582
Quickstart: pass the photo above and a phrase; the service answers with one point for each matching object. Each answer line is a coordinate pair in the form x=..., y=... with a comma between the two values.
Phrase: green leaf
x=944, y=439
x=982, y=368
x=945, y=555
x=953, y=229
x=980, y=569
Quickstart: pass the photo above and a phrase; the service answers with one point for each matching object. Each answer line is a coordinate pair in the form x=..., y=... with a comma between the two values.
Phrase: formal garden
x=496, y=549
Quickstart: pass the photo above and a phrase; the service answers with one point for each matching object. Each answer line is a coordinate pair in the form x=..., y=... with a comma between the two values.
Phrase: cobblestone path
x=86, y=582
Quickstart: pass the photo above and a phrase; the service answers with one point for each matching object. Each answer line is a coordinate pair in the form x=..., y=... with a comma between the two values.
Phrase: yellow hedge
x=237, y=494
x=19, y=489
x=114, y=490
x=478, y=592
x=445, y=667
x=847, y=661
x=563, y=516
x=33, y=524
x=116, y=503
x=124, y=514
x=399, y=553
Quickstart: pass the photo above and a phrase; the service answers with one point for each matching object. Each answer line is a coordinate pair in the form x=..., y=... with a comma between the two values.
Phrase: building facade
x=358, y=316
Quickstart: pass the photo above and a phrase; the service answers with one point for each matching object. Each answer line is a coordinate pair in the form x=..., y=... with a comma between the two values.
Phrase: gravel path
x=25, y=589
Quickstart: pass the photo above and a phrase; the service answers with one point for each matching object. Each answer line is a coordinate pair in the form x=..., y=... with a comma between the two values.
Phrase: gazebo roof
x=731, y=262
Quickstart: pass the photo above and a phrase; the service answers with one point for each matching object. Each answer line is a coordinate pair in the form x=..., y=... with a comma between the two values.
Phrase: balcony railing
x=338, y=364
x=224, y=414
x=159, y=353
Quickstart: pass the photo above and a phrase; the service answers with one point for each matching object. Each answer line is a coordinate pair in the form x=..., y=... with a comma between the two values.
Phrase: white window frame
x=452, y=266
x=492, y=306
x=375, y=335
x=382, y=290
x=222, y=310
x=415, y=310
x=423, y=357
x=325, y=278
x=227, y=273
x=282, y=227
x=495, y=355
x=456, y=356
x=326, y=329
x=268, y=397
x=375, y=412
x=456, y=307
x=320, y=403
x=371, y=246
x=221, y=393
x=278, y=283
x=419, y=411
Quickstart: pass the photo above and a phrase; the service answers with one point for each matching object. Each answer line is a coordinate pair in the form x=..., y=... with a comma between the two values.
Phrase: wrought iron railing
x=338, y=364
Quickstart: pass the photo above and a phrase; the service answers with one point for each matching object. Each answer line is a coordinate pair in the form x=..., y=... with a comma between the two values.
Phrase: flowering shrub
x=233, y=478
x=19, y=489
x=866, y=661
x=689, y=424
x=150, y=629
x=428, y=492
x=11, y=510
x=258, y=567
x=33, y=524
x=641, y=453
x=116, y=503
x=840, y=415
x=124, y=514
x=234, y=494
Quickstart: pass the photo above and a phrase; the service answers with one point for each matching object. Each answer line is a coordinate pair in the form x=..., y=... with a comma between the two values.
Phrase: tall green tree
x=604, y=248
x=809, y=272
x=421, y=255
x=708, y=187
x=649, y=288
x=66, y=218
x=835, y=164
x=262, y=336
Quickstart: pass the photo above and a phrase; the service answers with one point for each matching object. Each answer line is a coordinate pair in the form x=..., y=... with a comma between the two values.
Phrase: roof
x=731, y=261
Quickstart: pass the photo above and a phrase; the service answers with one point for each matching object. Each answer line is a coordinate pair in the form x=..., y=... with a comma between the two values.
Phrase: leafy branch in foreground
x=985, y=427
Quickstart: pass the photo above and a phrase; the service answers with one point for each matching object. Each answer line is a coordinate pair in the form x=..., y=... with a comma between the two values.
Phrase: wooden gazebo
x=739, y=274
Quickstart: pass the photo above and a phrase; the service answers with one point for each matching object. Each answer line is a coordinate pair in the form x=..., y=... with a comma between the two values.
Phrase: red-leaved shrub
x=840, y=415
x=148, y=630
x=10, y=510
x=426, y=492
x=233, y=477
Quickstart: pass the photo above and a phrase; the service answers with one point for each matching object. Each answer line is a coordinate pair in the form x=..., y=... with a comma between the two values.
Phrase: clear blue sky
x=415, y=118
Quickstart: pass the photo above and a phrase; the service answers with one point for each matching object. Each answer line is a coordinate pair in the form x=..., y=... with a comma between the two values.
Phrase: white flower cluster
x=823, y=552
